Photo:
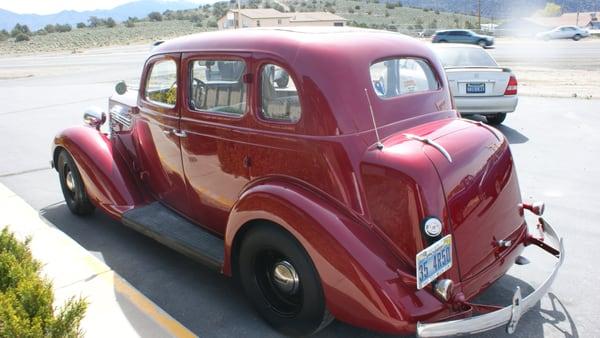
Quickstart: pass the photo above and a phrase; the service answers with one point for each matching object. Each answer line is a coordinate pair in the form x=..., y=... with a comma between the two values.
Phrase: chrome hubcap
x=285, y=278
x=70, y=181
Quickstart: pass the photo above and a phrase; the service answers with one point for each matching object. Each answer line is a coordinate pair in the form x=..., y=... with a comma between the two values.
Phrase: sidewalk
x=115, y=307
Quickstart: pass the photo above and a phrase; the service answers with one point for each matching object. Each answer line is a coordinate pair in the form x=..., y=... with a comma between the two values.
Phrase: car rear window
x=465, y=57
x=217, y=86
x=401, y=76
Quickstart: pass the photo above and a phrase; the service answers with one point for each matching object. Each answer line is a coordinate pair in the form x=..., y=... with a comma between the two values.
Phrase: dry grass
x=79, y=39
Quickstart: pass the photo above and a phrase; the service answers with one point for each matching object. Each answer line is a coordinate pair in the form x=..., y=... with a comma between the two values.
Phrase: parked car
x=477, y=83
x=462, y=36
x=564, y=32
x=333, y=194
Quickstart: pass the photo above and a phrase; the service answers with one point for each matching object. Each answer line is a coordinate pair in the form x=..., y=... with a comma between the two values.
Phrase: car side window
x=217, y=85
x=401, y=76
x=279, y=95
x=161, y=86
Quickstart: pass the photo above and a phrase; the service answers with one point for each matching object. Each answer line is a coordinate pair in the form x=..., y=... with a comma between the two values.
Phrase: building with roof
x=269, y=17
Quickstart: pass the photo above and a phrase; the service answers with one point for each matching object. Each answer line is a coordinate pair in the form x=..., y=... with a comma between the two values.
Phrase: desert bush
x=26, y=298
x=110, y=23
x=21, y=37
x=50, y=28
x=390, y=5
x=129, y=23
x=81, y=25
x=212, y=23
x=155, y=16
x=4, y=35
x=63, y=28
x=20, y=29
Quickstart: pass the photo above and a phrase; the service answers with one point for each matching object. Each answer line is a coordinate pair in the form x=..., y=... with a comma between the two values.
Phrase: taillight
x=511, y=89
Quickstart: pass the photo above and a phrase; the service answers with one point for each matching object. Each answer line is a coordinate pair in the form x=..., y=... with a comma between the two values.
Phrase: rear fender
x=363, y=282
x=108, y=182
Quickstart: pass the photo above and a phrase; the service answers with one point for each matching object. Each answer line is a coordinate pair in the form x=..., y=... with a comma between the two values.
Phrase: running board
x=167, y=227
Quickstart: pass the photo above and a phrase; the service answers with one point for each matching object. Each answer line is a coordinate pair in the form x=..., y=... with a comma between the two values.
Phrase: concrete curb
x=115, y=307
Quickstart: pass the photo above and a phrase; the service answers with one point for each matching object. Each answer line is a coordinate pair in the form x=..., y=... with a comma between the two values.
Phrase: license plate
x=475, y=88
x=433, y=261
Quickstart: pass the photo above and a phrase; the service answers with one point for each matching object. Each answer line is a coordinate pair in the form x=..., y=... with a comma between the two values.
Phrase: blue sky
x=54, y=6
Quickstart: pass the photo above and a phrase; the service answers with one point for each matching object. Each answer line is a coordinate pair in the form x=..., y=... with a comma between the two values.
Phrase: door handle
x=179, y=133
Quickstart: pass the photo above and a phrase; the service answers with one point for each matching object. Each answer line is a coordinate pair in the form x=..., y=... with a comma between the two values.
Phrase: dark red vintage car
x=325, y=169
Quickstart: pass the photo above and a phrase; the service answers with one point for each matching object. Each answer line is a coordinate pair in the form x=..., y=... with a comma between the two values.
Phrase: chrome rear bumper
x=508, y=316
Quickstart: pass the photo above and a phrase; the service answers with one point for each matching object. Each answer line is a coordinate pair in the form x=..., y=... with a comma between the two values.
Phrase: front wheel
x=496, y=119
x=577, y=37
x=281, y=281
x=72, y=186
x=482, y=43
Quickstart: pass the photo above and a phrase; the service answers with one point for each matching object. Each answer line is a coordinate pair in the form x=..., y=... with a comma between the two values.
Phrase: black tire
x=482, y=43
x=442, y=41
x=577, y=37
x=496, y=119
x=73, y=188
x=300, y=311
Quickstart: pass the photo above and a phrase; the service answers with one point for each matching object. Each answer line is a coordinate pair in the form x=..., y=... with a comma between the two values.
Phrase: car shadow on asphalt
x=204, y=301
x=512, y=135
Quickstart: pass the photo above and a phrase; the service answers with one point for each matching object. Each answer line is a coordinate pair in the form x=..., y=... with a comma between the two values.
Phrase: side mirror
x=121, y=88
x=94, y=117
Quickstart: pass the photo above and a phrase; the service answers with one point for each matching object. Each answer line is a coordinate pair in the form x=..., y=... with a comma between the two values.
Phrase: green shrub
x=4, y=35
x=21, y=37
x=81, y=25
x=26, y=298
x=155, y=16
x=110, y=23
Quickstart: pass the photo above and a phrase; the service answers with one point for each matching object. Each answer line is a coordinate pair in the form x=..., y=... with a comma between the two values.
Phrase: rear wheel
x=281, y=281
x=72, y=186
x=496, y=119
x=577, y=37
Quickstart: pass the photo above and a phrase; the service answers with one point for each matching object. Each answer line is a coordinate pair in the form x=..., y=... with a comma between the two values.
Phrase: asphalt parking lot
x=555, y=144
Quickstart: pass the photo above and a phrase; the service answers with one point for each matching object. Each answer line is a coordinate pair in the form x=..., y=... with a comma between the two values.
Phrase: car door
x=214, y=119
x=157, y=130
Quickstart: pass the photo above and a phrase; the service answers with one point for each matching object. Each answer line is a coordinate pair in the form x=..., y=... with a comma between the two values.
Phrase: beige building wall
x=264, y=22
x=318, y=23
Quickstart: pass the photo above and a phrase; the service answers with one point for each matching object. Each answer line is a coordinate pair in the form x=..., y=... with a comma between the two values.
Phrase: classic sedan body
x=477, y=83
x=308, y=164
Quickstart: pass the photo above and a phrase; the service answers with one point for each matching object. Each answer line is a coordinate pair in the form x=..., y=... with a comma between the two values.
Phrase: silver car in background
x=477, y=83
x=564, y=32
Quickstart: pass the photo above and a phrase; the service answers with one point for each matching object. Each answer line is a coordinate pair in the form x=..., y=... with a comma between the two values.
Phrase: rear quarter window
x=402, y=76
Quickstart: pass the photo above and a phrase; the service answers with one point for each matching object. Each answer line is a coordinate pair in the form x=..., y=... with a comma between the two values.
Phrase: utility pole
x=479, y=14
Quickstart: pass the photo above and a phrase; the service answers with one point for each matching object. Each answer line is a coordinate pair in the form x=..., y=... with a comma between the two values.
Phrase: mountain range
x=501, y=8
x=139, y=8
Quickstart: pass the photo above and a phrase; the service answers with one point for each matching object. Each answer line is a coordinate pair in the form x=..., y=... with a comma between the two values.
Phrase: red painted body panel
x=356, y=209
x=107, y=178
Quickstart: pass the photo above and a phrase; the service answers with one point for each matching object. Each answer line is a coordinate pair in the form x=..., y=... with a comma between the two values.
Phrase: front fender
x=107, y=179
x=363, y=281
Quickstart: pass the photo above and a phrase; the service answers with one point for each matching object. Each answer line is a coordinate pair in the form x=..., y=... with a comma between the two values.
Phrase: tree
x=81, y=25
x=62, y=28
x=469, y=25
x=110, y=23
x=212, y=23
x=20, y=29
x=94, y=21
x=551, y=9
x=155, y=16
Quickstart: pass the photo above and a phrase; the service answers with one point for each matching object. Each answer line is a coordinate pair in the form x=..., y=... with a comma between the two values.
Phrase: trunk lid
x=481, y=190
x=477, y=82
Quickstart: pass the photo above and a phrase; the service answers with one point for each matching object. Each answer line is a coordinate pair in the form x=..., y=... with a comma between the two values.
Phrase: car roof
x=454, y=46
x=453, y=30
x=273, y=39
